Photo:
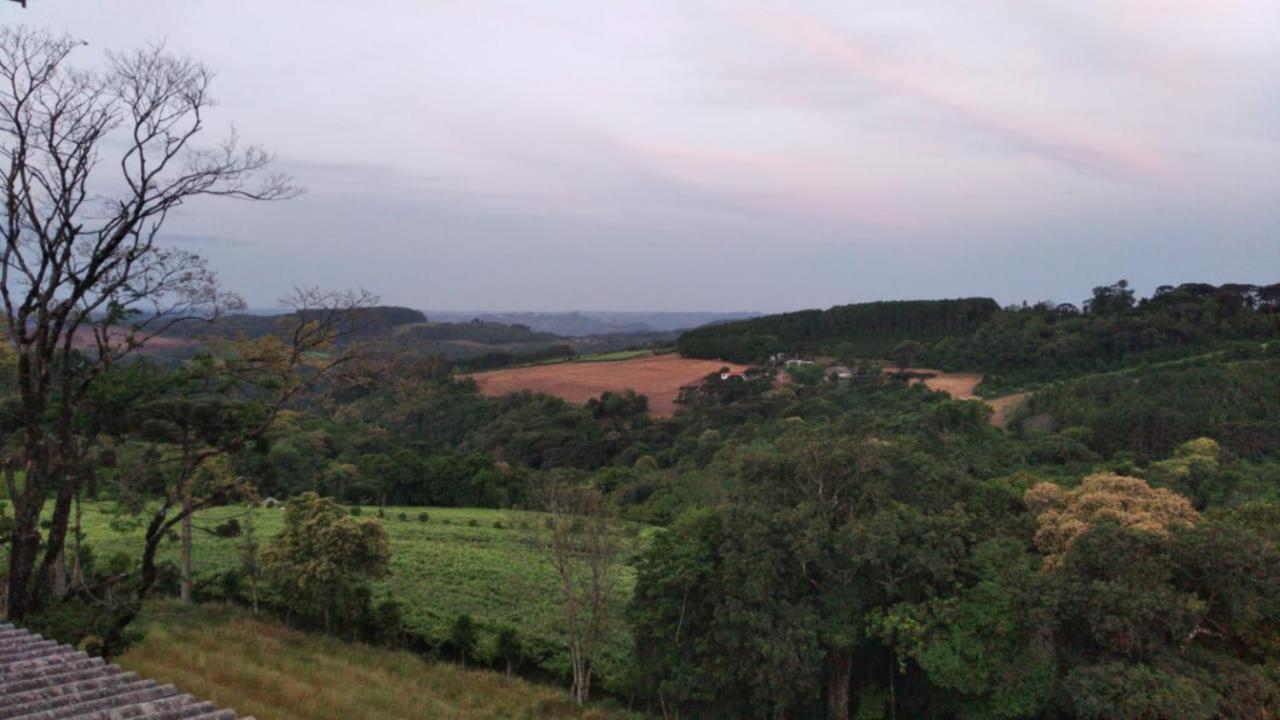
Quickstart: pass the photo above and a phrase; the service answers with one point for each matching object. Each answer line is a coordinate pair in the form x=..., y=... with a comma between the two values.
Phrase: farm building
x=41, y=679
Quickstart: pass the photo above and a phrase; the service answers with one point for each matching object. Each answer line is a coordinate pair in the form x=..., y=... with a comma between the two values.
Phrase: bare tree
x=579, y=539
x=208, y=421
x=83, y=278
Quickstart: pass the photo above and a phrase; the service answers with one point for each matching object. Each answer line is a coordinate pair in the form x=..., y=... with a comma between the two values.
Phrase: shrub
x=463, y=635
x=497, y=524
x=508, y=648
x=473, y=523
x=383, y=624
x=403, y=517
x=228, y=529
x=356, y=510
x=423, y=517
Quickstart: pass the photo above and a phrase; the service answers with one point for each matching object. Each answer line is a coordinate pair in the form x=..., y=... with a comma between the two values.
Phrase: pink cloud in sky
x=1089, y=147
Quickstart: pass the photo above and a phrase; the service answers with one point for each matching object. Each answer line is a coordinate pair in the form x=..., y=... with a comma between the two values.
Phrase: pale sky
x=729, y=154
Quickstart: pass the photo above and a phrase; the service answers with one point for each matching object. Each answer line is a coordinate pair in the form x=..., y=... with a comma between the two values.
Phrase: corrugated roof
x=42, y=680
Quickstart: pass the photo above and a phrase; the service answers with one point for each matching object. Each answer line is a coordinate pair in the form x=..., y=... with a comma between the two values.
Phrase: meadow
x=458, y=561
x=223, y=654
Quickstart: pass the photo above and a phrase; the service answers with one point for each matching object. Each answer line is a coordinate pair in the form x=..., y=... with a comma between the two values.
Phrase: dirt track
x=659, y=378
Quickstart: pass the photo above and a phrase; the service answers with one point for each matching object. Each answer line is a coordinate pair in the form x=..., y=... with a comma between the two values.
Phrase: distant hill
x=594, y=322
x=374, y=320
x=866, y=329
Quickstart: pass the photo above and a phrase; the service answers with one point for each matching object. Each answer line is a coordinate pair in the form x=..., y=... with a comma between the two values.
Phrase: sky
x=728, y=154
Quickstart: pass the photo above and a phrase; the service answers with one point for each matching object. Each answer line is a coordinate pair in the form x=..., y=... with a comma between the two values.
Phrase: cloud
x=1076, y=143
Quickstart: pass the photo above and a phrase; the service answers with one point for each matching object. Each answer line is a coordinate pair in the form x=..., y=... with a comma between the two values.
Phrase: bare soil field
x=84, y=339
x=659, y=377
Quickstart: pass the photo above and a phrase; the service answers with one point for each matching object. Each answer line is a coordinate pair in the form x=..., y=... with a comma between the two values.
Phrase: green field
x=478, y=562
x=222, y=654
x=619, y=355
x=614, y=356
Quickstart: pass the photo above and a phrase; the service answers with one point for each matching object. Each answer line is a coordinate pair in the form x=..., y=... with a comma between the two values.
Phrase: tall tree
x=92, y=163
x=580, y=541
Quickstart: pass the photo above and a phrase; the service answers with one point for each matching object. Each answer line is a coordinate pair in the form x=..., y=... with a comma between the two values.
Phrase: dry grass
x=659, y=377
x=276, y=673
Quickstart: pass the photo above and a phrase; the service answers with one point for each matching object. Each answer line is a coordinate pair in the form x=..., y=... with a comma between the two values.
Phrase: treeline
x=502, y=358
x=865, y=329
x=1021, y=346
x=480, y=331
x=369, y=321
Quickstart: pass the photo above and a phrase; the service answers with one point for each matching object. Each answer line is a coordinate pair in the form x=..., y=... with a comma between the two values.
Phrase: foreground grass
x=461, y=560
x=262, y=669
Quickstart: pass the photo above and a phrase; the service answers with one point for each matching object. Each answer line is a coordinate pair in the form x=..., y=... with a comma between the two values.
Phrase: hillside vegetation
x=454, y=562
x=1020, y=346
x=865, y=329
x=840, y=544
x=272, y=672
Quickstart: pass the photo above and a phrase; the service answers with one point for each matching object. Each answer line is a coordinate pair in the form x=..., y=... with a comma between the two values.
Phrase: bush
x=403, y=517
x=463, y=635
x=228, y=529
x=473, y=523
x=508, y=648
x=356, y=510
x=497, y=524
x=383, y=624
x=423, y=517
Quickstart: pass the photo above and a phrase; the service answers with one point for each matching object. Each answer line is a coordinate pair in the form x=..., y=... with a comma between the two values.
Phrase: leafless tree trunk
x=838, y=685
x=580, y=541
x=83, y=280
x=187, y=585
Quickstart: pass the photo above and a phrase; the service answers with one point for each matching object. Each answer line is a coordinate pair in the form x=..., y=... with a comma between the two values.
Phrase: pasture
x=223, y=654
x=473, y=561
x=658, y=377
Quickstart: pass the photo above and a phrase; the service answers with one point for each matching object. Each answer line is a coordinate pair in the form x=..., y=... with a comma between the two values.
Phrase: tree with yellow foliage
x=1064, y=515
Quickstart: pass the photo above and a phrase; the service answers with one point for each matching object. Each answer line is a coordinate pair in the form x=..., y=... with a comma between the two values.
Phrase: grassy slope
x=275, y=673
x=439, y=570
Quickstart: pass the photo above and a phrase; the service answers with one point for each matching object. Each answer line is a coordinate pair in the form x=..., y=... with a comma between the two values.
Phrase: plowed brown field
x=659, y=378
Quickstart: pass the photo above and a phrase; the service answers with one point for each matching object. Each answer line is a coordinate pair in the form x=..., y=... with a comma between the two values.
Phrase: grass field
x=618, y=355
x=472, y=561
x=658, y=377
x=258, y=668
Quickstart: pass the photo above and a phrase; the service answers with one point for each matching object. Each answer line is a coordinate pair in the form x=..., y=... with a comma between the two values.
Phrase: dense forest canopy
x=866, y=329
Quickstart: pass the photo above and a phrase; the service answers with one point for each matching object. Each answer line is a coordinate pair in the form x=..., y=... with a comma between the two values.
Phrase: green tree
x=463, y=635
x=905, y=353
x=323, y=560
x=508, y=648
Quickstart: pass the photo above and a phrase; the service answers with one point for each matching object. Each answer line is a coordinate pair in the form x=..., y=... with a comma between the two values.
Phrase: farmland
x=459, y=561
x=659, y=377
x=269, y=671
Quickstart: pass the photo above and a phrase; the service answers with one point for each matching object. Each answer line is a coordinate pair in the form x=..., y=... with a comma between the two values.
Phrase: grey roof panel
x=42, y=680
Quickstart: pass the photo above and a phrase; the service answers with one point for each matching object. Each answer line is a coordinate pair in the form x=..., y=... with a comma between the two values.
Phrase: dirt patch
x=117, y=336
x=659, y=378
x=961, y=386
x=1004, y=407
